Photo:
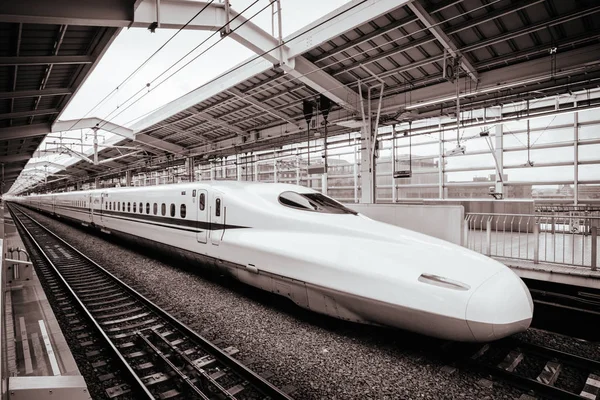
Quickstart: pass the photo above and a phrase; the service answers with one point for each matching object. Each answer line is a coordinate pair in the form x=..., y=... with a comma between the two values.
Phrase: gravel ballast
x=321, y=357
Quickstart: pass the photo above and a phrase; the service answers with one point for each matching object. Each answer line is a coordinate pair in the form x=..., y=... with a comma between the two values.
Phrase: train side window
x=182, y=211
x=163, y=209
x=134, y=206
x=147, y=208
x=141, y=208
x=128, y=206
x=155, y=208
x=172, y=210
x=202, y=201
x=119, y=206
x=114, y=208
x=218, y=207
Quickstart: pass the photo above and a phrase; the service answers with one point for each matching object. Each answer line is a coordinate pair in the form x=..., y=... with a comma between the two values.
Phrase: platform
x=33, y=344
x=563, y=258
x=565, y=274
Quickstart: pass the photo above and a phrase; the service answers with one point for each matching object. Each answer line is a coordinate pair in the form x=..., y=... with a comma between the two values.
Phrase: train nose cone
x=500, y=307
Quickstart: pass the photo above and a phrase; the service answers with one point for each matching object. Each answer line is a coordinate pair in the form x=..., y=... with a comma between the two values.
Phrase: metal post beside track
x=488, y=230
x=536, y=243
x=594, y=260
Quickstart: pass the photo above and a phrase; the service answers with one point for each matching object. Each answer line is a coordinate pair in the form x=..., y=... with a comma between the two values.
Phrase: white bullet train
x=305, y=246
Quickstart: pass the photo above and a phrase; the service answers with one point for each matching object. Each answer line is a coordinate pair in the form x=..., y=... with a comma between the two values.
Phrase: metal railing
x=560, y=239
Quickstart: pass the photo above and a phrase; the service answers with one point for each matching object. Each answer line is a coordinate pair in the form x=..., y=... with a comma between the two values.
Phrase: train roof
x=259, y=188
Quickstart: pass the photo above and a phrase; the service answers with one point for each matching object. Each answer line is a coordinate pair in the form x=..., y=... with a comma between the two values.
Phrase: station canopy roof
x=505, y=51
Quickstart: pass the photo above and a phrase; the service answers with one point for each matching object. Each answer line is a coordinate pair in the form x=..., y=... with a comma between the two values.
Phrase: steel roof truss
x=118, y=130
x=263, y=106
x=439, y=34
x=21, y=94
x=20, y=132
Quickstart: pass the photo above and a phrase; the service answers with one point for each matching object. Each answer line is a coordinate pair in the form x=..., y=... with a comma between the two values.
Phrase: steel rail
x=563, y=357
x=258, y=382
x=540, y=388
x=116, y=353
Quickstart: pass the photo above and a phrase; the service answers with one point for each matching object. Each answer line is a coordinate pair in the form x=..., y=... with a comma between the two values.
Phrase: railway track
x=137, y=349
x=539, y=370
x=565, y=309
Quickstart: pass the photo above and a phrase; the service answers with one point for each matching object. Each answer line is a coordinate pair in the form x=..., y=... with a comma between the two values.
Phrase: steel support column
x=394, y=188
x=189, y=169
x=128, y=176
x=500, y=157
x=367, y=163
x=576, y=156
x=441, y=161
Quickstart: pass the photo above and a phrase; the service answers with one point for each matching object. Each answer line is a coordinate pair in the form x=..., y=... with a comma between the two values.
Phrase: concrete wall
x=506, y=206
x=490, y=206
x=441, y=221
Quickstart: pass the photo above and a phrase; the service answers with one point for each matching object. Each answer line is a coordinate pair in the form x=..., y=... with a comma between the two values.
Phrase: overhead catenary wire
x=148, y=85
x=139, y=68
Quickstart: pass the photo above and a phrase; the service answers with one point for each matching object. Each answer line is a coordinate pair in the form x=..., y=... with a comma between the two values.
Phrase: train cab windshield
x=313, y=202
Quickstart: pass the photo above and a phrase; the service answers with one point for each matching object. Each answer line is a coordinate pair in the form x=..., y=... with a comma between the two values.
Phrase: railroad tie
x=550, y=373
x=480, y=352
x=591, y=388
x=117, y=390
x=511, y=361
x=169, y=394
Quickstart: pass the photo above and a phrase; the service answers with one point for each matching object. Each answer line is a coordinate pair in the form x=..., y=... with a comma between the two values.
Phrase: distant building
x=482, y=192
x=589, y=191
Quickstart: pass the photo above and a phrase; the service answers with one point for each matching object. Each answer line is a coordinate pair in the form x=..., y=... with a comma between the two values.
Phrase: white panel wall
x=443, y=222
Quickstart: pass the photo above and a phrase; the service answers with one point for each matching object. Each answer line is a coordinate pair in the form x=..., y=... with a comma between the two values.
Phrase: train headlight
x=443, y=282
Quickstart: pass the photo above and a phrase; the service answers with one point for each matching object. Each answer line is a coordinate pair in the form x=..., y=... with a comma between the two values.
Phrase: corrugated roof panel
x=535, y=13
x=38, y=40
x=29, y=77
x=61, y=76
x=4, y=105
x=77, y=40
x=23, y=104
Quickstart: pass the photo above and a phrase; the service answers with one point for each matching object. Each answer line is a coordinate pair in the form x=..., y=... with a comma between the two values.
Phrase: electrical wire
x=545, y=129
x=187, y=63
x=116, y=89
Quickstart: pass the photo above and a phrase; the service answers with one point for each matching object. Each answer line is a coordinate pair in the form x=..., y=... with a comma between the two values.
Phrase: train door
x=217, y=218
x=90, y=207
x=103, y=203
x=202, y=216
